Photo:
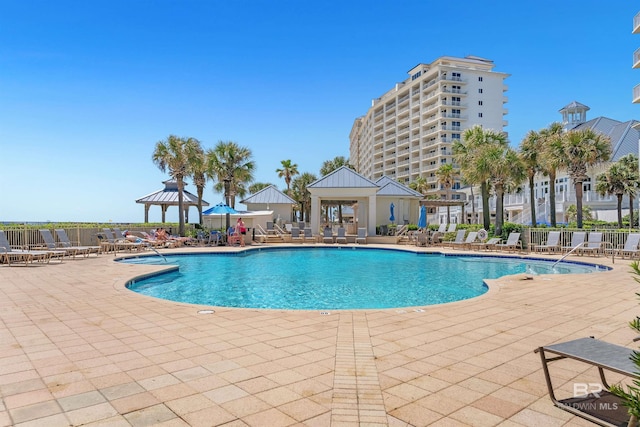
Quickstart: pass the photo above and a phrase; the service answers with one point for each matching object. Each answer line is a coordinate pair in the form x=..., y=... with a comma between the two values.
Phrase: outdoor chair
x=9, y=253
x=295, y=235
x=66, y=243
x=629, y=249
x=551, y=245
x=487, y=246
x=512, y=243
x=308, y=235
x=52, y=246
x=459, y=239
x=594, y=246
x=577, y=239
x=327, y=235
x=341, y=237
x=362, y=236
x=471, y=238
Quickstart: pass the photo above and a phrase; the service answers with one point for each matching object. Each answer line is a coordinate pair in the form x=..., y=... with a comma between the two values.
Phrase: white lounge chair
x=630, y=247
x=66, y=243
x=362, y=236
x=471, y=238
x=295, y=235
x=452, y=228
x=458, y=240
x=50, y=242
x=8, y=252
x=551, y=245
x=488, y=245
x=327, y=235
x=511, y=244
x=341, y=237
x=595, y=245
x=308, y=235
x=577, y=239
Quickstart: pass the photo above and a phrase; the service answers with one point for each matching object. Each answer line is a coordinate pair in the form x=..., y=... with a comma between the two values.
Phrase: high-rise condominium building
x=408, y=131
x=636, y=58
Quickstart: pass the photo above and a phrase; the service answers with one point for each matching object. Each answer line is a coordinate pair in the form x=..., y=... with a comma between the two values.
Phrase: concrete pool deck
x=77, y=348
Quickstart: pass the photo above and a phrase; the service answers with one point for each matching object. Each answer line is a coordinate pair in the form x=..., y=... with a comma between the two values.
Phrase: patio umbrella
x=392, y=218
x=220, y=208
x=422, y=219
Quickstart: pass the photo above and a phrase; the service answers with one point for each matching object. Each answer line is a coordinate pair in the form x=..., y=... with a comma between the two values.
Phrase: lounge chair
x=630, y=247
x=341, y=237
x=577, y=239
x=295, y=235
x=551, y=245
x=442, y=228
x=308, y=235
x=215, y=238
x=487, y=246
x=50, y=242
x=117, y=244
x=362, y=236
x=8, y=253
x=66, y=243
x=452, y=228
x=422, y=238
x=471, y=238
x=512, y=243
x=327, y=235
x=459, y=240
x=594, y=246
x=594, y=402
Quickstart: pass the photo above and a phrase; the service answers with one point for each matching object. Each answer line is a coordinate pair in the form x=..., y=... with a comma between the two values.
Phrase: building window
x=455, y=136
x=480, y=90
x=479, y=114
x=416, y=75
x=479, y=102
x=479, y=79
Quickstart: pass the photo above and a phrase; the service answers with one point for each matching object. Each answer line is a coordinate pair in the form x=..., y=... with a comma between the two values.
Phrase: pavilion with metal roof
x=270, y=198
x=168, y=196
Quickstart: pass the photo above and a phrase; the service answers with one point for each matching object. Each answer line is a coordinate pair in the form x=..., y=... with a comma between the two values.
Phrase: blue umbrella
x=220, y=208
x=422, y=220
x=392, y=218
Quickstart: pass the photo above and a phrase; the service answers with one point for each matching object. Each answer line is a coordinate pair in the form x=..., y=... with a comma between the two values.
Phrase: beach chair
x=594, y=246
x=452, y=228
x=63, y=238
x=512, y=243
x=8, y=253
x=215, y=238
x=113, y=244
x=486, y=246
x=341, y=237
x=327, y=235
x=577, y=239
x=295, y=235
x=362, y=236
x=630, y=247
x=308, y=235
x=551, y=245
x=442, y=228
x=459, y=239
x=50, y=242
x=471, y=238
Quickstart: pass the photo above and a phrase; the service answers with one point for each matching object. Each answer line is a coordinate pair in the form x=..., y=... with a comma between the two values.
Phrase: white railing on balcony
x=636, y=24
x=636, y=94
x=636, y=59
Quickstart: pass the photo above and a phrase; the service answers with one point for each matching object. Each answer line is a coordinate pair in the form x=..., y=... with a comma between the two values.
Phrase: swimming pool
x=332, y=278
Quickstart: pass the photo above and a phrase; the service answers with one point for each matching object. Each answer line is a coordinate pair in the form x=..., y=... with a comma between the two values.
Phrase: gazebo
x=168, y=196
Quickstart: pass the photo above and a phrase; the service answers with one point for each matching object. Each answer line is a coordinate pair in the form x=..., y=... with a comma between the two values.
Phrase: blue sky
x=88, y=87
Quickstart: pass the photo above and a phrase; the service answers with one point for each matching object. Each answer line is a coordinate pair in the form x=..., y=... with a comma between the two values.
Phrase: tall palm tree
x=329, y=166
x=287, y=171
x=173, y=155
x=198, y=166
x=257, y=186
x=447, y=176
x=632, y=182
x=230, y=163
x=420, y=185
x=468, y=153
x=530, y=150
x=577, y=151
x=613, y=182
x=550, y=163
x=507, y=171
x=301, y=195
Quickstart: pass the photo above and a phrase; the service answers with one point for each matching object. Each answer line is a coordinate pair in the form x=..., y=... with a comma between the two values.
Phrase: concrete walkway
x=77, y=348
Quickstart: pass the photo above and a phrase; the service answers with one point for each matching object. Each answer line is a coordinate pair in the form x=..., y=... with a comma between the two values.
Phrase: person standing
x=241, y=230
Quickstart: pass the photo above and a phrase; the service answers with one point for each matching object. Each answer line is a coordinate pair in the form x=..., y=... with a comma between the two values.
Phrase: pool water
x=331, y=278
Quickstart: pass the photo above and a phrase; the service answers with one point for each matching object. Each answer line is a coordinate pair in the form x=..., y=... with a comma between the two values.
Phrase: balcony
x=636, y=59
x=636, y=24
x=636, y=94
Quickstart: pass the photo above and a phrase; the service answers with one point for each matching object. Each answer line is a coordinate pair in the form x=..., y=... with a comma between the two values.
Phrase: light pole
x=227, y=182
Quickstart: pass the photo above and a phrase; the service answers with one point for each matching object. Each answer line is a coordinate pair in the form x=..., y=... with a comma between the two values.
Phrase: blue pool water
x=331, y=278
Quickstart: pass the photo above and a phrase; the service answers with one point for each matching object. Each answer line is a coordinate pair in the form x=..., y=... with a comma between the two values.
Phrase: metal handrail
x=567, y=254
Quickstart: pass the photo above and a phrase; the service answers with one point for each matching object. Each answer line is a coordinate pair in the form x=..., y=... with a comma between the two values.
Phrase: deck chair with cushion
x=629, y=249
x=486, y=246
x=512, y=243
x=551, y=245
x=341, y=237
x=9, y=253
x=51, y=244
x=362, y=236
x=327, y=235
x=63, y=238
x=577, y=239
x=594, y=246
x=459, y=240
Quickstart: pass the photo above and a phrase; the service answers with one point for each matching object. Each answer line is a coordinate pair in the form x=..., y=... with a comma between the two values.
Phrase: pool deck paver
x=78, y=348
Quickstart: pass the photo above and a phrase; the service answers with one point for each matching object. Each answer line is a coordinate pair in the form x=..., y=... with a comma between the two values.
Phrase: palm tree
x=329, y=166
x=630, y=163
x=506, y=171
x=530, y=150
x=577, y=150
x=468, y=153
x=174, y=154
x=198, y=166
x=447, y=176
x=257, y=186
x=232, y=167
x=613, y=182
x=549, y=163
x=287, y=171
x=420, y=185
x=301, y=195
